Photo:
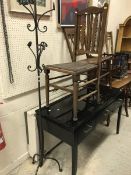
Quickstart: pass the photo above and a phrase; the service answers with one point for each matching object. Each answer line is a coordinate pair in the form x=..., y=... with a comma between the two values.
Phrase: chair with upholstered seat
x=89, y=36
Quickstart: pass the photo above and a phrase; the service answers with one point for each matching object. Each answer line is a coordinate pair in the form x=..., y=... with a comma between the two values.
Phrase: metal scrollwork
x=29, y=28
x=45, y=27
x=39, y=47
x=30, y=68
x=42, y=47
x=28, y=5
x=43, y=30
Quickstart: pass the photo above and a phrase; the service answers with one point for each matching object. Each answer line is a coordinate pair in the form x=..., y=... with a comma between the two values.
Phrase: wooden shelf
x=123, y=43
x=126, y=37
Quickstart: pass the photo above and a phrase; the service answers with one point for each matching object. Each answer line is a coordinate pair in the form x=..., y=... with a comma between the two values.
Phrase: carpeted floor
x=101, y=153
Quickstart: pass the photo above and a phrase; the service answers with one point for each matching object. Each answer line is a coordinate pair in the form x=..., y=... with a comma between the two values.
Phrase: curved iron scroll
x=30, y=6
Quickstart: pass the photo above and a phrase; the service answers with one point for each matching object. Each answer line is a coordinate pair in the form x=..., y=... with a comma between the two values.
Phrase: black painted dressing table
x=57, y=118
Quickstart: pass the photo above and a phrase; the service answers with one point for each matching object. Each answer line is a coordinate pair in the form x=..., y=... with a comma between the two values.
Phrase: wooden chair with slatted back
x=107, y=58
x=90, y=30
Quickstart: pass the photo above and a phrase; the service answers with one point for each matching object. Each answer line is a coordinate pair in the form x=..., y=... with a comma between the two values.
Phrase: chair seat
x=79, y=66
x=73, y=67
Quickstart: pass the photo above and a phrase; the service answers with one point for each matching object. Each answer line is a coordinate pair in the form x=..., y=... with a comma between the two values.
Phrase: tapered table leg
x=98, y=82
x=109, y=68
x=74, y=156
x=47, y=86
x=119, y=119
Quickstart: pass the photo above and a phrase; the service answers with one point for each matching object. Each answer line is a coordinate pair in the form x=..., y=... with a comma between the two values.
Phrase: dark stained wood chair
x=88, y=40
x=107, y=59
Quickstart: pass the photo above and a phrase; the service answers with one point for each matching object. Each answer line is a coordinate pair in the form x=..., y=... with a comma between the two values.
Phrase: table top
x=120, y=83
x=61, y=111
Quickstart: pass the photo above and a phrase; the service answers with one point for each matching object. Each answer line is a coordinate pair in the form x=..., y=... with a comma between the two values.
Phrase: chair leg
x=75, y=97
x=110, y=81
x=47, y=86
x=98, y=86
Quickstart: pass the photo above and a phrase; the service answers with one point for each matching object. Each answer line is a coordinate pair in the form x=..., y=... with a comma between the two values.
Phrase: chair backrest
x=109, y=43
x=90, y=31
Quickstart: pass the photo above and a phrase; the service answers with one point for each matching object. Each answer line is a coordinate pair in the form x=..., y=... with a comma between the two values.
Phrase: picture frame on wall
x=66, y=11
x=42, y=6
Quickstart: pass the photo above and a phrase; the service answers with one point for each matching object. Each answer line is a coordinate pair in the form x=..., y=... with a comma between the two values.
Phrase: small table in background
x=125, y=85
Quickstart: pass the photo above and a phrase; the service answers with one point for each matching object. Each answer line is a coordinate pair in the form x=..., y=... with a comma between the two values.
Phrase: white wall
x=13, y=123
x=21, y=56
x=12, y=111
x=119, y=10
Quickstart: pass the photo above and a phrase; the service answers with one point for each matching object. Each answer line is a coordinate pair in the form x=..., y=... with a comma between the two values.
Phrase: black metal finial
x=29, y=44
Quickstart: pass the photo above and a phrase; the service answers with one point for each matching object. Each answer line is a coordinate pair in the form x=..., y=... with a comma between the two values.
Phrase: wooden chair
x=89, y=39
x=109, y=42
x=107, y=59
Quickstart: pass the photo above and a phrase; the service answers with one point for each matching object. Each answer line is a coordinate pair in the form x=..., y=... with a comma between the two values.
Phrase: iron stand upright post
x=31, y=6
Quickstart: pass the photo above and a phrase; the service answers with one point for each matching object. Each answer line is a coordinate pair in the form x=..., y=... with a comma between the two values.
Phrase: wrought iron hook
x=45, y=27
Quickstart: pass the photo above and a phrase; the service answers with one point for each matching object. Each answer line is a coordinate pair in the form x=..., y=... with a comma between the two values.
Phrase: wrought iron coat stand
x=31, y=6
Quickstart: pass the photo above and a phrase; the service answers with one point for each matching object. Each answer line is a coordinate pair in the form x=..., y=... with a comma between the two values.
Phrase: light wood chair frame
x=83, y=44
